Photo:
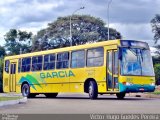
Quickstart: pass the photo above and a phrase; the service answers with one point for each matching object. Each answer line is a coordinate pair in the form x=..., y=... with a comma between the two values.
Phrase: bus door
x=12, y=81
x=112, y=70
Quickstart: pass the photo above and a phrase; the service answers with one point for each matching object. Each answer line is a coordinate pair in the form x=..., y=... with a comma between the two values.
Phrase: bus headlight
x=152, y=84
x=129, y=84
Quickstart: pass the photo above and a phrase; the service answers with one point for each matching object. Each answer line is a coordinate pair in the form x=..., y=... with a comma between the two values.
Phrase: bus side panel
x=77, y=80
x=82, y=74
x=100, y=77
x=5, y=82
x=46, y=81
x=18, y=88
x=56, y=80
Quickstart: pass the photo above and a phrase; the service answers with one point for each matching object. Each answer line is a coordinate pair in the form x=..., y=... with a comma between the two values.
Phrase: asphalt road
x=81, y=104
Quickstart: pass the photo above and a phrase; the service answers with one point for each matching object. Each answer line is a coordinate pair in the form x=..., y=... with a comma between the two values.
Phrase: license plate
x=141, y=89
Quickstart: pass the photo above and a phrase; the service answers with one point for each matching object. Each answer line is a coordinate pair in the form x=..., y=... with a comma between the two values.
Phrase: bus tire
x=121, y=95
x=92, y=90
x=51, y=95
x=25, y=90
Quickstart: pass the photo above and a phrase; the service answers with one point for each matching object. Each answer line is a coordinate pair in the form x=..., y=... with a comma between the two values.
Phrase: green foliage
x=2, y=51
x=155, y=23
x=2, y=54
x=1, y=73
x=4, y=98
x=16, y=40
x=157, y=73
x=85, y=29
x=156, y=60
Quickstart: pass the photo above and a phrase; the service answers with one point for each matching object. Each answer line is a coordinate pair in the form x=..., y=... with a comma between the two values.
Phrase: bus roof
x=59, y=50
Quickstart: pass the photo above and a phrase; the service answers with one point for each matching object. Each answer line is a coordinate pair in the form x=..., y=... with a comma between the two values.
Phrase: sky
x=130, y=17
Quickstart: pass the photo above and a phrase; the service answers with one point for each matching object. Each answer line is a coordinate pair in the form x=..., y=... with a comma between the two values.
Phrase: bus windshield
x=136, y=61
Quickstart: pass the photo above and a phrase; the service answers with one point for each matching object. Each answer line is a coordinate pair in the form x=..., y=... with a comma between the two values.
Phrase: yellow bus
x=109, y=67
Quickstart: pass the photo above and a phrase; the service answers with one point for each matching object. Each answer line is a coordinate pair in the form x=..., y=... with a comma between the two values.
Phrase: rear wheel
x=92, y=90
x=51, y=95
x=25, y=90
x=120, y=95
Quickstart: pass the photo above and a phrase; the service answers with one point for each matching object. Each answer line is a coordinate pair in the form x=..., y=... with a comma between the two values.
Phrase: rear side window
x=37, y=63
x=95, y=57
x=7, y=63
x=26, y=64
x=49, y=62
x=62, y=60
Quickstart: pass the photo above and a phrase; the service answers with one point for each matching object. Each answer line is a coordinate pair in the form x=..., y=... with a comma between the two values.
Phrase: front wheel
x=92, y=90
x=120, y=95
x=51, y=95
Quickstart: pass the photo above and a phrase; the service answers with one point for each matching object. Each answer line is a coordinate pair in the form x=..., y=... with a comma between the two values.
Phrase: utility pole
x=71, y=23
x=108, y=15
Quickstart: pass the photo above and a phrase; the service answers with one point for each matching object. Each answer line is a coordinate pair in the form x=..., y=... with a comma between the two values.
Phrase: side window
x=7, y=63
x=49, y=62
x=19, y=65
x=13, y=68
x=78, y=59
x=95, y=57
x=26, y=64
x=37, y=63
x=62, y=60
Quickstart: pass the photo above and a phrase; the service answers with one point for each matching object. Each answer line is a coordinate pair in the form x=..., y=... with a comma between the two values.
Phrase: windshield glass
x=136, y=61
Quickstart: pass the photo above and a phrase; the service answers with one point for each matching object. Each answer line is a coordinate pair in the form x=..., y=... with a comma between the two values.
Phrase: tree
x=16, y=40
x=2, y=54
x=1, y=73
x=155, y=23
x=2, y=51
x=85, y=29
x=40, y=41
x=157, y=73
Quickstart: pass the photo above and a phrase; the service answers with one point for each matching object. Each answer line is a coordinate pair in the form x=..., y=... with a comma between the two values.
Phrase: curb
x=143, y=95
x=13, y=102
x=151, y=96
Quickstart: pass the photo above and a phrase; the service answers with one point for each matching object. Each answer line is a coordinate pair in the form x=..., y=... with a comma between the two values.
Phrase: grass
x=156, y=92
x=8, y=98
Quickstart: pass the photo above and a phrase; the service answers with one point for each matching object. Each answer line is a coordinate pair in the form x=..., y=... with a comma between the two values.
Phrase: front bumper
x=136, y=88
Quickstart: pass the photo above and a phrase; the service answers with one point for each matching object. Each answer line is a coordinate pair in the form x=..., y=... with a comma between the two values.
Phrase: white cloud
x=135, y=31
x=130, y=17
x=5, y=2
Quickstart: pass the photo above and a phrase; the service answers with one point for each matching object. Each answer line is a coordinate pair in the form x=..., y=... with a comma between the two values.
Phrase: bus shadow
x=100, y=98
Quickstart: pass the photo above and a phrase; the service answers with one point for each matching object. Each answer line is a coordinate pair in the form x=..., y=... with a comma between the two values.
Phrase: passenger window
x=26, y=63
x=95, y=57
x=7, y=63
x=78, y=59
x=37, y=63
x=62, y=60
x=49, y=62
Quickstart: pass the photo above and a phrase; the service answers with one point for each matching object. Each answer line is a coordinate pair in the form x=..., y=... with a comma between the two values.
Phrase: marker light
x=152, y=84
